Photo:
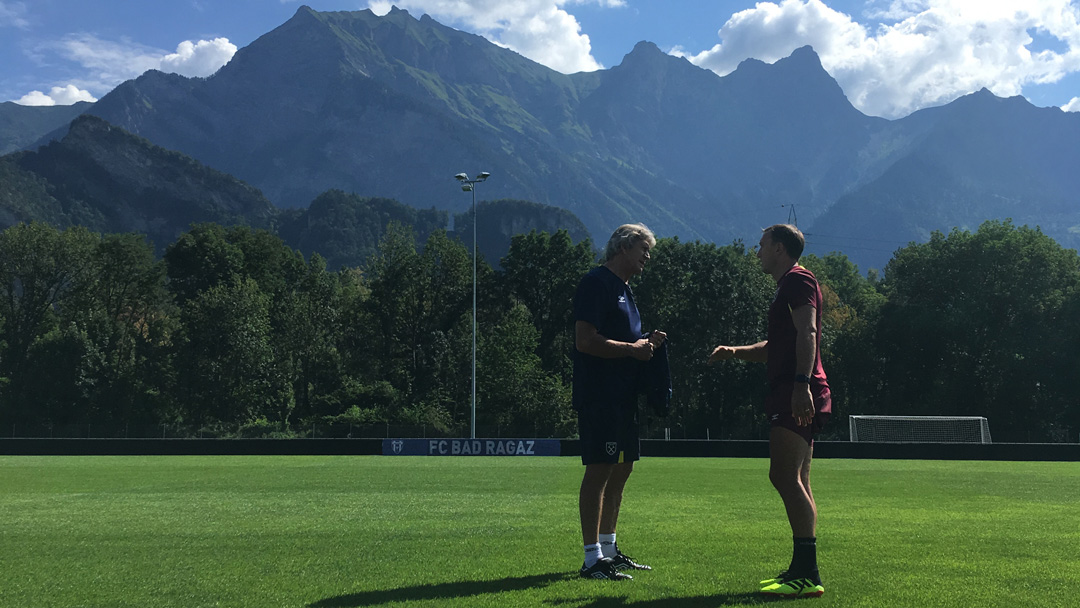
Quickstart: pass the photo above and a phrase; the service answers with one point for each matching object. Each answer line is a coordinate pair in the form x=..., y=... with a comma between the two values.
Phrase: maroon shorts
x=778, y=409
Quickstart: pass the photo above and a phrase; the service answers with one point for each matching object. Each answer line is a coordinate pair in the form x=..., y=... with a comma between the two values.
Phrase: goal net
x=919, y=429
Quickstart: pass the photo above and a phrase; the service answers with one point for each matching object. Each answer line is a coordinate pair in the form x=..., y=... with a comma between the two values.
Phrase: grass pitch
x=336, y=532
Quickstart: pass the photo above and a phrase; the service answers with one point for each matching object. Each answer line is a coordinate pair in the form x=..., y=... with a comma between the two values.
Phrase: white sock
x=607, y=544
x=592, y=555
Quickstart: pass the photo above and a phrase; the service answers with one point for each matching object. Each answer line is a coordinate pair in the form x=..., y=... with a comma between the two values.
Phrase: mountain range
x=106, y=179
x=22, y=126
x=392, y=107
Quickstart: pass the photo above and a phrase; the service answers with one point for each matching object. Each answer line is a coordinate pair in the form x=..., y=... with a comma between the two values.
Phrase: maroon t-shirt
x=798, y=287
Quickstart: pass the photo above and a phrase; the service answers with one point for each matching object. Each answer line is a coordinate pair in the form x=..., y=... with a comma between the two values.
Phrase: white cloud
x=603, y=3
x=926, y=52
x=769, y=32
x=113, y=62
x=106, y=63
x=12, y=14
x=58, y=96
x=379, y=7
x=897, y=10
x=103, y=64
x=36, y=98
x=538, y=29
x=201, y=58
x=1072, y=106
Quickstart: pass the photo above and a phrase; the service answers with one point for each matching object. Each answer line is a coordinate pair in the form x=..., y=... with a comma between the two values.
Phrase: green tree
x=228, y=374
x=365, y=396
x=862, y=294
x=40, y=268
x=441, y=329
x=973, y=326
x=301, y=311
x=346, y=228
x=542, y=272
x=414, y=337
x=275, y=266
x=307, y=323
x=519, y=397
x=98, y=358
x=128, y=315
x=851, y=309
x=1061, y=372
x=210, y=254
x=201, y=258
x=64, y=365
x=703, y=295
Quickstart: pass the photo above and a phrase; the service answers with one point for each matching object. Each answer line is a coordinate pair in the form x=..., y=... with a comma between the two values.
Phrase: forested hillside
x=107, y=180
x=21, y=126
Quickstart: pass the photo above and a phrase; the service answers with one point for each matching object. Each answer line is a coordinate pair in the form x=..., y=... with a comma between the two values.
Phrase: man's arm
x=587, y=339
x=802, y=401
x=758, y=353
x=805, y=320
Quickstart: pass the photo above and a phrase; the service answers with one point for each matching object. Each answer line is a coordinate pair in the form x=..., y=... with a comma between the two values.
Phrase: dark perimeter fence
x=561, y=447
x=318, y=430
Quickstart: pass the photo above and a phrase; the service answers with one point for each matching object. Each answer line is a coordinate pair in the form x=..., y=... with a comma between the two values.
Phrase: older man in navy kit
x=609, y=346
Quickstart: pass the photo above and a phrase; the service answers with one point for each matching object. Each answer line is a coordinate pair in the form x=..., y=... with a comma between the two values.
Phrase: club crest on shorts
x=397, y=444
x=611, y=447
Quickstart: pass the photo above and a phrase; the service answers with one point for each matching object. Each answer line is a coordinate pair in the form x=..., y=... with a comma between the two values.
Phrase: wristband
x=802, y=378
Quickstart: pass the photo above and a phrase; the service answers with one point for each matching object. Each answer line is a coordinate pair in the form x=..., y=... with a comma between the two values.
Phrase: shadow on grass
x=701, y=601
x=462, y=589
x=466, y=589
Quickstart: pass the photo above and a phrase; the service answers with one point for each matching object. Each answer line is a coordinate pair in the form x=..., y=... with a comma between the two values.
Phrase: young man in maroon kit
x=799, y=402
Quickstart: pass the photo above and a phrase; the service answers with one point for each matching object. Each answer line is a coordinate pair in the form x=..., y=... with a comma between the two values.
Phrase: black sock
x=804, y=558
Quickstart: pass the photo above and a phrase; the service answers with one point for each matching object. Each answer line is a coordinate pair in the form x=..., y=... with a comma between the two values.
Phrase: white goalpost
x=919, y=429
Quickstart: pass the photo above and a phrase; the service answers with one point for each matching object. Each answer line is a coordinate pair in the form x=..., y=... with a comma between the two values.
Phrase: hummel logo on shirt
x=622, y=299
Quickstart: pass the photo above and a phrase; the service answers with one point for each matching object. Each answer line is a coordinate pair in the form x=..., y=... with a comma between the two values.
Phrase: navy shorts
x=609, y=435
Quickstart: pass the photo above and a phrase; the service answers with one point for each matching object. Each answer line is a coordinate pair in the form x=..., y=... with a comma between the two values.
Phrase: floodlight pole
x=469, y=185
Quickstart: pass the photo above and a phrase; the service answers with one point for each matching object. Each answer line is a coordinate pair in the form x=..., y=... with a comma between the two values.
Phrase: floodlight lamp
x=466, y=187
x=461, y=177
x=484, y=175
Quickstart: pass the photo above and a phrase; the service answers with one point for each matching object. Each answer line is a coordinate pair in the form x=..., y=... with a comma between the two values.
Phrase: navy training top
x=606, y=302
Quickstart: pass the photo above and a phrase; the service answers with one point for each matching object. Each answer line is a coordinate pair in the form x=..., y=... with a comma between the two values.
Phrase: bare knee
x=785, y=481
x=777, y=478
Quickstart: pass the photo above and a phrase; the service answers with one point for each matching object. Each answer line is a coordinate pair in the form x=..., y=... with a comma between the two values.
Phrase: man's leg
x=609, y=518
x=591, y=500
x=591, y=504
x=613, y=493
x=804, y=475
x=789, y=470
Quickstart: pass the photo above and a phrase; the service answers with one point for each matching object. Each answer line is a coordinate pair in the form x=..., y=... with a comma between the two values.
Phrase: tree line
x=232, y=333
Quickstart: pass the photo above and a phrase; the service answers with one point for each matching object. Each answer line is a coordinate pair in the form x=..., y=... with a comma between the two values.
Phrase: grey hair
x=625, y=237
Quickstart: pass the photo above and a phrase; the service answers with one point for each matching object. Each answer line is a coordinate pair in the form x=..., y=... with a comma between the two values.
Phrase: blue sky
x=891, y=57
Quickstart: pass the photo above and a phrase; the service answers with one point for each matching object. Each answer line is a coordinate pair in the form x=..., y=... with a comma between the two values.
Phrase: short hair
x=627, y=236
x=789, y=236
